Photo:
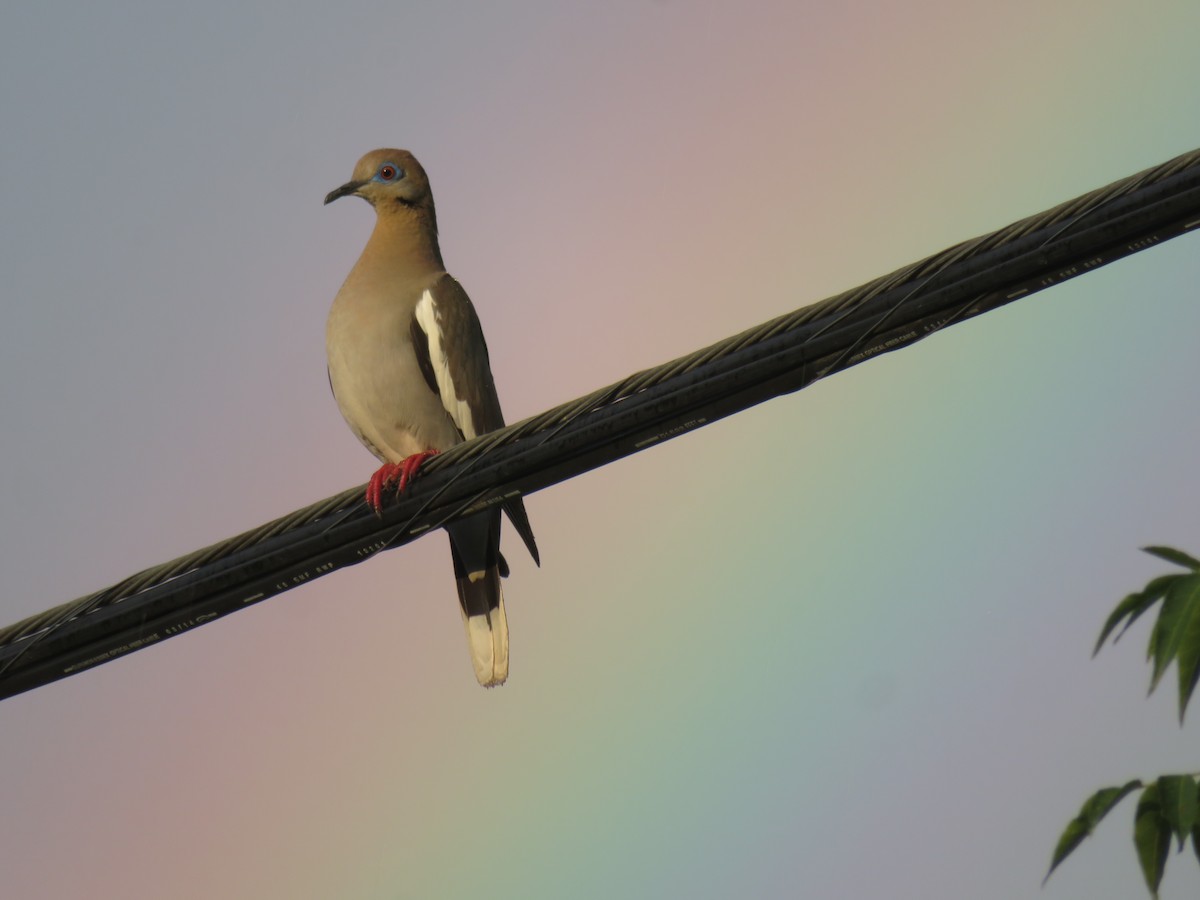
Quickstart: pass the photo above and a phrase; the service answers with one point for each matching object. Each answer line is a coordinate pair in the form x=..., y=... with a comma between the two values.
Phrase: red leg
x=389, y=474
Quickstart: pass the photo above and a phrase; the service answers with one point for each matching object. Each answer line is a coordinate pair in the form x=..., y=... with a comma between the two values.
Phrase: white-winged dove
x=409, y=370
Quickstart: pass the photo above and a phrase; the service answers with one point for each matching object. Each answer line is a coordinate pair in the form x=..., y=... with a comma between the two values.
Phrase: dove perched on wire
x=409, y=370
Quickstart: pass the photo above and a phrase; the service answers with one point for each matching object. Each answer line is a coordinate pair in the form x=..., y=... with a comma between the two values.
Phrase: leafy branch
x=1169, y=806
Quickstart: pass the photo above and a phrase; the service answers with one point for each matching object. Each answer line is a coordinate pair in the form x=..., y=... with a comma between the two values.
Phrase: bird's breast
x=376, y=378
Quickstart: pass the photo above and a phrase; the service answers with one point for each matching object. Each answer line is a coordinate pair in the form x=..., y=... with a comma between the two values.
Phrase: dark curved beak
x=345, y=190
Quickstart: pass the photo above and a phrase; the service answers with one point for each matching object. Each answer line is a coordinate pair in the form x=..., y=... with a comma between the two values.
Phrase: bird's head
x=388, y=179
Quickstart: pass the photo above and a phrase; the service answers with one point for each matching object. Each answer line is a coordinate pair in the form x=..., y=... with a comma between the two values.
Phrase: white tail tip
x=487, y=637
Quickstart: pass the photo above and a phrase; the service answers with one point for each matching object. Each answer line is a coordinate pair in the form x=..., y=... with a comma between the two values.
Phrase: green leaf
x=1177, y=794
x=1152, y=838
x=1176, y=620
x=1095, y=808
x=1171, y=555
x=1134, y=605
x=1123, y=609
x=1188, y=656
x=1195, y=840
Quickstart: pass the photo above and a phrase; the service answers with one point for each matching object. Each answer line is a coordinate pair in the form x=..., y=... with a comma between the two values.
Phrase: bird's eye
x=387, y=173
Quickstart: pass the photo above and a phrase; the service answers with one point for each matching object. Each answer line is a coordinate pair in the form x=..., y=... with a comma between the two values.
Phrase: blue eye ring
x=389, y=172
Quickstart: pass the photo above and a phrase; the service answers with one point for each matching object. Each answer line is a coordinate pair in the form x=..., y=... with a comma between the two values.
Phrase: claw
x=399, y=474
x=409, y=466
x=385, y=474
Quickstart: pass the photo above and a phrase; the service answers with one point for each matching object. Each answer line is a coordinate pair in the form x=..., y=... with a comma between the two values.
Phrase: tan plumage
x=409, y=370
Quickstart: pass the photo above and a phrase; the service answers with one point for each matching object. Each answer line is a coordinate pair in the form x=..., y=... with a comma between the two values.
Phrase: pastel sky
x=836, y=646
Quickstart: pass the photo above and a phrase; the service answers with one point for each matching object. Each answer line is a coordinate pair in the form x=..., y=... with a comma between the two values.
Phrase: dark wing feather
x=470, y=372
x=515, y=510
x=466, y=356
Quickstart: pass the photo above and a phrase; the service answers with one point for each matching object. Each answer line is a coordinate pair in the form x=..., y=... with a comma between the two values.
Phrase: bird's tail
x=482, y=603
x=475, y=547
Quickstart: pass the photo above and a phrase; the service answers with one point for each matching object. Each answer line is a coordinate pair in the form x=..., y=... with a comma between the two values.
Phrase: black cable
x=777, y=357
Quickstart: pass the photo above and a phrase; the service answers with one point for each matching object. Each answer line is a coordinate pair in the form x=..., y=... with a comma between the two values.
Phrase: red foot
x=389, y=474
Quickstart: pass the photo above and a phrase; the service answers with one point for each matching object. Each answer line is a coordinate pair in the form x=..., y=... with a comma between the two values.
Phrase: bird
x=409, y=370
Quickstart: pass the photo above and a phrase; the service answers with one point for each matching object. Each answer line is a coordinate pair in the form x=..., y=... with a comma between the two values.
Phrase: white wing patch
x=429, y=319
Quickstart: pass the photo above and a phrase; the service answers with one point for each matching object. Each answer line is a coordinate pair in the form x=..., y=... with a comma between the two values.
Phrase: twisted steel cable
x=916, y=300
